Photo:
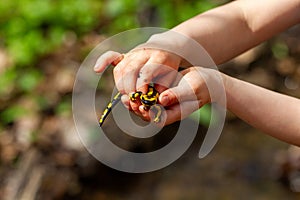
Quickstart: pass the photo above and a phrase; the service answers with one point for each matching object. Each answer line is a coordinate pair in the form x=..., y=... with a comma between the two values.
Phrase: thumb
x=176, y=95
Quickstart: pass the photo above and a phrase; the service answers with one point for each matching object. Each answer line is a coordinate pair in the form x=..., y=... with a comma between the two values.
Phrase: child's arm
x=275, y=114
x=224, y=32
x=229, y=30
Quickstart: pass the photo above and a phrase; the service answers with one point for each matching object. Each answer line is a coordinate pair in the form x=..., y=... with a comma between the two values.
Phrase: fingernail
x=165, y=100
x=141, y=108
x=96, y=68
x=125, y=100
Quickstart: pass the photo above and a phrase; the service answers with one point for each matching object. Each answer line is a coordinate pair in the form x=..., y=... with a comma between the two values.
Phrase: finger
x=106, y=59
x=144, y=113
x=118, y=74
x=177, y=79
x=150, y=71
x=135, y=107
x=192, y=86
x=164, y=82
x=126, y=72
x=177, y=94
x=180, y=111
x=130, y=73
x=125, y=100
x=160, y=88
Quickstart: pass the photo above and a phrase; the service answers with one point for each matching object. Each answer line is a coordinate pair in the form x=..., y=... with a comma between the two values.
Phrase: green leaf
x=203, y=115
x=64, y=108
x=29, y=80
x=280, y=50
x=20, y=51
x=12, y=113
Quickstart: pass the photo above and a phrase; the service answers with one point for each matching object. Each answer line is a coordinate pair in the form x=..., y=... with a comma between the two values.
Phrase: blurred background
x=42, y=44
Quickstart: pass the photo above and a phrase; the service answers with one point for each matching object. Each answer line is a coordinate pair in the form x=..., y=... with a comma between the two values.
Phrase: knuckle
x=129, y=69
x=117, y=60
x=160, y=56
x=147, y=73
x=117, y=70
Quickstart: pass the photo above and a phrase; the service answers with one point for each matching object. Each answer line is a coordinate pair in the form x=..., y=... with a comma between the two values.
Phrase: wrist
x=189, y=51
x=168, y=41
x=229, y=84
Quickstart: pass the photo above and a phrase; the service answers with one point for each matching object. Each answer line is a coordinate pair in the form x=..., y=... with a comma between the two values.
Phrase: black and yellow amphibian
x=148, y=100
x=109, y=107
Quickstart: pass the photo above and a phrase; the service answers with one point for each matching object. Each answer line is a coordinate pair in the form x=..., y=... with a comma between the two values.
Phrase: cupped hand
x=196, y=87
x=136, y=69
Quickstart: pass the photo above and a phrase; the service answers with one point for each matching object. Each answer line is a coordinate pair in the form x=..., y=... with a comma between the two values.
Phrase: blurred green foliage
x=12, y=113
x=203, y=115
x=127, y=14
x=280, y=49
x=32, y=29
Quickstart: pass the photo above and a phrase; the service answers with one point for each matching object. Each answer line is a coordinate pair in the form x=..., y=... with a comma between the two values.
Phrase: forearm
x=275, y=114
x=229, y=30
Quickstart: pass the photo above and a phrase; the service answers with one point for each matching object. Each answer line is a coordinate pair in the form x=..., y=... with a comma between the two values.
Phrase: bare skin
x=273, y=113
x=224, y=32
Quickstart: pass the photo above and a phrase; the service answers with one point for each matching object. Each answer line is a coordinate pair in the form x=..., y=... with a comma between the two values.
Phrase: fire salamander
x=148, y=100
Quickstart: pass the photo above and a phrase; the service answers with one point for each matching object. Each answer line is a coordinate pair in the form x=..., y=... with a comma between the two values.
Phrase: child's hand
x=135, y=70
x=138, y=67
x=191, y=93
